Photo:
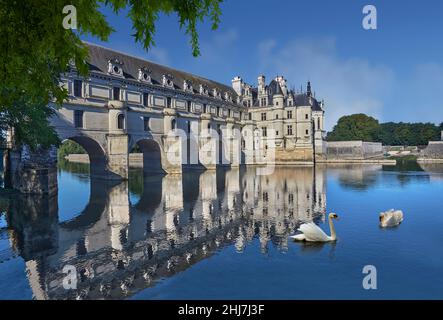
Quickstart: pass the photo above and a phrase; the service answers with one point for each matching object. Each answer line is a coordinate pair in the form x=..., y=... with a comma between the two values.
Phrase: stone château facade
x=128, y=102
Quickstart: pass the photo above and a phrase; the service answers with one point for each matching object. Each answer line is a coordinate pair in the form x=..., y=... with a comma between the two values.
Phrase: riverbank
x=136, y=160
x=392, y=162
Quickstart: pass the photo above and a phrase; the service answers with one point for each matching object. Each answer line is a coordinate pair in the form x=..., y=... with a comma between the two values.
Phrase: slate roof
x=304, y=100
x=98, y=62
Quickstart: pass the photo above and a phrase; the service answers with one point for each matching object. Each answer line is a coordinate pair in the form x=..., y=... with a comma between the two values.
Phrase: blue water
x=407, y=259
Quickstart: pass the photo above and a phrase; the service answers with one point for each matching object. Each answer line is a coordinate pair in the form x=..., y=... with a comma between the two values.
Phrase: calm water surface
x=224, y=235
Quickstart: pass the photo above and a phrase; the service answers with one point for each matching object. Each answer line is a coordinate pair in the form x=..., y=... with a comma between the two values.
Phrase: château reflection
x=133, y=233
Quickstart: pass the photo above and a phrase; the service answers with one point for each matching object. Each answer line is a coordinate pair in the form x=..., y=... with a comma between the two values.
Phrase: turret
x=278, y=97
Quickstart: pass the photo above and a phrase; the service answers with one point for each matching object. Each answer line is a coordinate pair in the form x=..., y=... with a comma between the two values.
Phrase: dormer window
x=115, y=67
x=167, y=81
x=187, y=86
x=216, y=93
x=204, y=90
x=144, y=75
x=227, y=96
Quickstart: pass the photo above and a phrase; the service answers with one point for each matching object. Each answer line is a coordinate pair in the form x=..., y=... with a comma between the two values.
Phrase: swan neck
x=332, y=228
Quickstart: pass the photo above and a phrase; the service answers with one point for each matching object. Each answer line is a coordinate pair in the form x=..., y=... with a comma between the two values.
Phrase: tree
x=355, y=127
x=36, y=50
x=363, y=127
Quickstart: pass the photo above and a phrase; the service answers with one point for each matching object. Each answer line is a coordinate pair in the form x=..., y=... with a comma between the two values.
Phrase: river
x=225, y=235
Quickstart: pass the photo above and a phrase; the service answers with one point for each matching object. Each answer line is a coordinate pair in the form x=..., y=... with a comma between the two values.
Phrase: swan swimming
x=312, y=233
x=390, y=218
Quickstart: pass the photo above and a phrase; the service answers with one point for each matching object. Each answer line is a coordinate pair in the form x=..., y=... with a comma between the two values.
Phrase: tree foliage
x=70, y=147
x=363, y=127
x=355, y=127
x=36, y=50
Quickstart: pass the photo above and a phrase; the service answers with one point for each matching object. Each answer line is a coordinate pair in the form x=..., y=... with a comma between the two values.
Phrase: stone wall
x=353, y=150
x=292, y=156
x=33, y=171
x=434, y=151
x=135, y=159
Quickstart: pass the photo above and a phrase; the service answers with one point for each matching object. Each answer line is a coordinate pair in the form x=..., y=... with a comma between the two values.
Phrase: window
x=318, y=123
x=204, y=108
x=145, y=99
x=78, y=88
x=291, y=198
x=168, y=102
x=306, y=116
x=146, y=123
x=121, y=121
x=116, y=93
x=263, y=116
x=276, y=103
x=189, y=106
x=289, y=114
x=276, y=132
x=78, y=118
x=264, y=132
x=173, y=124
x=276, y=116
x=250, y=116
x=307, y=131
x=289, y=130
x=218, y=112
x=290, y=103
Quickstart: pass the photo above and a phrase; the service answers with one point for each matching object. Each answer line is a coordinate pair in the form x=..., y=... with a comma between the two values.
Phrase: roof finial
x=308, y=91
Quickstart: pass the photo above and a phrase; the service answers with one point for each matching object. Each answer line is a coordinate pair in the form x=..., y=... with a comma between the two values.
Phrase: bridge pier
x=172, y=145
x=208, y=143
x=118, y=157
x=33, y=171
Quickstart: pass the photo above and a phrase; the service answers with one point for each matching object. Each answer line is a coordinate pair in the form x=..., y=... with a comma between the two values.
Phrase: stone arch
x=152, y=155
x=96, y=154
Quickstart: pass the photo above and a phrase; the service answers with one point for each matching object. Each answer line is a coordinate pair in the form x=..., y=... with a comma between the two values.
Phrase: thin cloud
x=348, y=85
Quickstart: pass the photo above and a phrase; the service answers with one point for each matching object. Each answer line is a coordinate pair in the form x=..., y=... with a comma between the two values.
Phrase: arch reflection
x=119, y=248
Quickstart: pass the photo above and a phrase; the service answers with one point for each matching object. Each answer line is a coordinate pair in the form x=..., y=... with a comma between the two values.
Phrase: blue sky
x=394, y=73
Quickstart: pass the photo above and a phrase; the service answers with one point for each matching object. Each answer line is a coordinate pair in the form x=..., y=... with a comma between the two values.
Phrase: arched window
x=121, y=121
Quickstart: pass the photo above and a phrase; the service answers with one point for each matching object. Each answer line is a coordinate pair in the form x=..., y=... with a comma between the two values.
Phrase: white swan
x=390, y=218
x=311, y=232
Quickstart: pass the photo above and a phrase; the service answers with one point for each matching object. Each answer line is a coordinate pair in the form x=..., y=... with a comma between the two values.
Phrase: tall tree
x=355, y=127
x=36, y=49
